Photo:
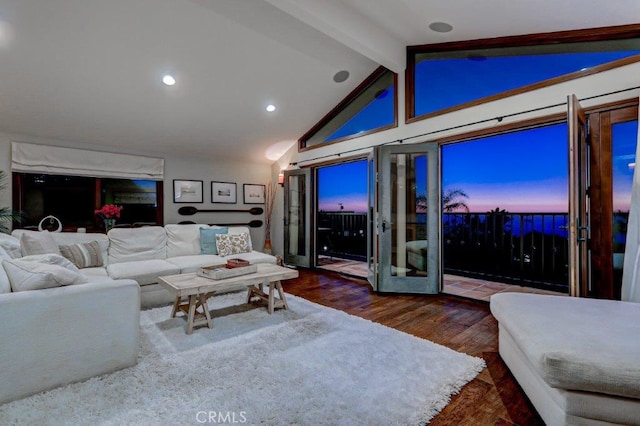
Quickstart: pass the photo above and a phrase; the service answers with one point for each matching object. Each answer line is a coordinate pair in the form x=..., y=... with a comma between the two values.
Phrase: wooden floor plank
x=493, y=398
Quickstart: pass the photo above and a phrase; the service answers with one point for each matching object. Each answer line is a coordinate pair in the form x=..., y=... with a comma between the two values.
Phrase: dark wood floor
x=493, y=398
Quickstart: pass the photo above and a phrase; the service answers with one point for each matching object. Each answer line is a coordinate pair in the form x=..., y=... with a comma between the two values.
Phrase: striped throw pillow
x=85, y=255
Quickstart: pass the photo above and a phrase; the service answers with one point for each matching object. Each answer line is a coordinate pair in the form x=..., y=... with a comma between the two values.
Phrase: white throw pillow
x=38, y=243
x=52, y=259
x=5, y=286
x=11, y=245
x=35, y=275
x=229, y=244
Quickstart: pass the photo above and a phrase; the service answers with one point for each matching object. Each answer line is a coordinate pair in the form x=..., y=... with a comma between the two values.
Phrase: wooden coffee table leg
x=175, y=307
x=205, y=308
x=270, y=306
x=281, y=293
x=193, y=301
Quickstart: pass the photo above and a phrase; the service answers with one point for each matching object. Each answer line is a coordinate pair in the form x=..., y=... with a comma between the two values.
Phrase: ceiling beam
x=350, y=28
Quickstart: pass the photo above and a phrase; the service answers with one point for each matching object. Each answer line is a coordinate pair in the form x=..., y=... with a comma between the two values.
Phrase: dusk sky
x=520, y=172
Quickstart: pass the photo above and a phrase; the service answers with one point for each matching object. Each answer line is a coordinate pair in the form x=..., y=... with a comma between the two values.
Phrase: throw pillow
x=11, y=245
x=233, y=244
x=85, y=255
x=29, y=275
x=33, y=242
x=5, y=286
x=208, y=244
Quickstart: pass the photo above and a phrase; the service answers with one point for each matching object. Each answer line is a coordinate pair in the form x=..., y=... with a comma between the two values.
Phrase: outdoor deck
x=471, y=288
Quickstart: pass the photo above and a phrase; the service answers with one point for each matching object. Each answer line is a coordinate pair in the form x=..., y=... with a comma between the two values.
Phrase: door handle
x=384, y=225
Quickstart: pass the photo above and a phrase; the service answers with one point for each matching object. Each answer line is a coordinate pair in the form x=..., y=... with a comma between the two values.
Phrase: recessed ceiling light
x=341, y=76
x=168, y=80
x=270, y=108
x=440, y=27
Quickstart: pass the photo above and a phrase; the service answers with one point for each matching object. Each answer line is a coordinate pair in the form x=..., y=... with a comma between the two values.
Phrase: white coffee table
x=197, y=290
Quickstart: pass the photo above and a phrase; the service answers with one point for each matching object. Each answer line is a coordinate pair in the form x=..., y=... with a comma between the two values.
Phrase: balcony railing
x=343, y=235
x=529, y=249
x=524, y=248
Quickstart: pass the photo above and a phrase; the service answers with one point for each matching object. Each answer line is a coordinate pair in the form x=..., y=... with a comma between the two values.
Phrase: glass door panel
x=409, y=219
x=297, y=217
x=372, y=219
x=623, y=148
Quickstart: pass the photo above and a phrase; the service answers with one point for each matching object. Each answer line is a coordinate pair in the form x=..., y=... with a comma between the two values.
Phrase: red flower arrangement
x=109, y=211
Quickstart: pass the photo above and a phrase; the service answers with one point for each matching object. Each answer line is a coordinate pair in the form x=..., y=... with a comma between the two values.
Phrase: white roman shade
x=32, y=158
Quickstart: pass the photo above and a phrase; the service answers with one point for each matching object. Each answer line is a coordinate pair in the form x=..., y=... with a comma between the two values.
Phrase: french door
x=579, y=203
x=372, y=220
x=408, y=217
x=297, y=217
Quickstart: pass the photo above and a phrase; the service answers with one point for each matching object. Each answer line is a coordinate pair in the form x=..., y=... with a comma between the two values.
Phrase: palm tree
x=454, y=199
x=6, y=214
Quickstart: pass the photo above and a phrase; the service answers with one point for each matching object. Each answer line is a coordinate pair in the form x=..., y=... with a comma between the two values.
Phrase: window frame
x=372, y=78
x=18, y=200
x=540, y=39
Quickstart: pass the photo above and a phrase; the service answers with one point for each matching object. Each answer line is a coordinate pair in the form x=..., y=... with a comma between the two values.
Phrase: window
x=371, y=107
x=73, y=199
x=452, y=76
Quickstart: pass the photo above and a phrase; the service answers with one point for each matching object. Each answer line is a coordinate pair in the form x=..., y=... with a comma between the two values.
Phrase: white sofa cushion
x=96, y=274
x=11, y=244
x=576, y=343
x=183, y=240
x=132, y=244
x=143, y=271
x=34, y=242
x=5, y=286
x=40, y=272
x=193, y=263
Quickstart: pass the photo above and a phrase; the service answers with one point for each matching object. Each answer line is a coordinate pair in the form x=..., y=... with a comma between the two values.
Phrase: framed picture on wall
x=223, y=192
x=187, y=191
x=253, y=194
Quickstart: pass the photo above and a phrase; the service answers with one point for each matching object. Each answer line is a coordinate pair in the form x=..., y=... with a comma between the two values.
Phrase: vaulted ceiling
x=89, y=71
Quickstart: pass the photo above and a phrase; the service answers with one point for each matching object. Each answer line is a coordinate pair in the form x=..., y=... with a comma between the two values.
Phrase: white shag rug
x=310, y=365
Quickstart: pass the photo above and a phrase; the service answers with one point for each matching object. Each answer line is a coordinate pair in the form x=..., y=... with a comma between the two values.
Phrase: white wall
x=203, y=169
x=605, y=82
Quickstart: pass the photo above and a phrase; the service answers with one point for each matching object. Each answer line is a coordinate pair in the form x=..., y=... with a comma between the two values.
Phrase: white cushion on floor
x=601, y=355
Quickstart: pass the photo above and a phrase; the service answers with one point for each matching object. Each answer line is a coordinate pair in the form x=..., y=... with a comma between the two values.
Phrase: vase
x=267, y=247
x=108, y=224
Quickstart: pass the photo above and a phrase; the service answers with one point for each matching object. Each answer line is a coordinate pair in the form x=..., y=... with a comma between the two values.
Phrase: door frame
x=420, y=284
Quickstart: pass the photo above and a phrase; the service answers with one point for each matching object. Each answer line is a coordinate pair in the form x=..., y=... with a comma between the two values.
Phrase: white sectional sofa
x=143, y=254
x=62, y=334
x=577, y=359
